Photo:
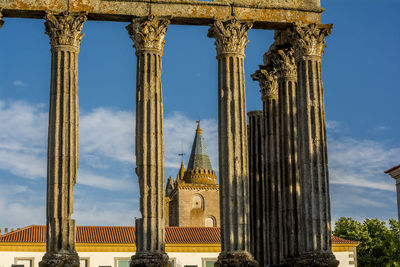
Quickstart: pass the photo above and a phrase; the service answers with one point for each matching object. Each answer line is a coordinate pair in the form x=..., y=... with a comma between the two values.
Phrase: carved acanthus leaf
x=282, y=60
x=309, y=40
x=230, y=36
x=268, y=80
x=148, y=33
x=64, y=29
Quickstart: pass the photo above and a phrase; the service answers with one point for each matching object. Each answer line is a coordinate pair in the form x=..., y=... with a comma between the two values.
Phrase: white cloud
x=23, y=139
x=19, y=206
x=19, y=83
x=109, y=133
x=179, y=135
x=88, y=178
x=361, y=162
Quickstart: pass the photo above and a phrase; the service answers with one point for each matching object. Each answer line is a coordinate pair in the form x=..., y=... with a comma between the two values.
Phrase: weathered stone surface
x=314, y=246
x=257, y=195
x=148, y=37
x=62, y=159
x=264, y=14
x=231, y=39
x=273, y=223
x=147, y=259
x=60, y=259
x=311, y=259
x=236, y=259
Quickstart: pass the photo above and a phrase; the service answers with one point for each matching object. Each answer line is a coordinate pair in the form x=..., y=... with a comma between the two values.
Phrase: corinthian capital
x=64, y=29
x=230, y=36
x=148, y=33
x=284, y=63
x=1, y=18
x=309, y=40
x=268, y=80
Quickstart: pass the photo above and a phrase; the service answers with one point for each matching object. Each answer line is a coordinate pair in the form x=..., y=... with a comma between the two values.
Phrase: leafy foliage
x=380, y=245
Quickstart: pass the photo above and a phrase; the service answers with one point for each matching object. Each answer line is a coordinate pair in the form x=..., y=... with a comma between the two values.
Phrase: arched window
x=210, y=221
x=198, y=202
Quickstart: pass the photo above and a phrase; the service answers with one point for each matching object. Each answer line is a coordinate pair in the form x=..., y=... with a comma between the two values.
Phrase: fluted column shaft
x=231, y=40
x=257, y=187
x=290, y=195
x=281, y=59
x=308, y=42
x=268, y=80
x=148, y=36
x=62, y=156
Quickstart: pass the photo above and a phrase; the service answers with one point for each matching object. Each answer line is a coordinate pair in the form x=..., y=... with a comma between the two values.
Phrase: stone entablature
x=270, y=14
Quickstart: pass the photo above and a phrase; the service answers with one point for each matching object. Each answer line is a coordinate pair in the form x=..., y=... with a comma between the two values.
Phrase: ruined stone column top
x=148, y=33
x=230, y=36
x=268, y=80
x=309, y=40
x=64, y=30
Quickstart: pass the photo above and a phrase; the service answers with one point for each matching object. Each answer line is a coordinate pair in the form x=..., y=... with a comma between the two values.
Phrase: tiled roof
x=338, y=240
x=117, y=234
x=203, y=235
x=126, y=235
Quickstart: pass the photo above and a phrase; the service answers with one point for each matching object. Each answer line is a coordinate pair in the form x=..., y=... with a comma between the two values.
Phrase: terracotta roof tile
x=338, y=240
x=203, y=235
x=126, y=235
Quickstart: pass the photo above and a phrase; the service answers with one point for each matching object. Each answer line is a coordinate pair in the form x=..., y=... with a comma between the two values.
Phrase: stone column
x=257, y=188
x=65, y=35
x=1, y=18
x=315, y=235
x=286, y=71
x=231, y=40
x=148, y=37
x=268, y=80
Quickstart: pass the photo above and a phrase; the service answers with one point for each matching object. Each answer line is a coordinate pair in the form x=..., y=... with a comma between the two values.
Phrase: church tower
x=194, y=195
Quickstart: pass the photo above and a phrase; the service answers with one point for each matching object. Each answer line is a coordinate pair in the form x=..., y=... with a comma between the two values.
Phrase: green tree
x=379, y=245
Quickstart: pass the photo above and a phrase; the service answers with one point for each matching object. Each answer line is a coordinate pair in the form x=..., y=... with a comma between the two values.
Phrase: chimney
x=6, y=230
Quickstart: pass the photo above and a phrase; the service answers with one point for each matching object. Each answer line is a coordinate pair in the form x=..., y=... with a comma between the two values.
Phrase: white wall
x=108, y=258
x=191, y=258
x=344, y=258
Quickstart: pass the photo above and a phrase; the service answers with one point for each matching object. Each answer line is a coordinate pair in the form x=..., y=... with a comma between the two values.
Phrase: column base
x=313, y=259
x=236, y=259
x=150, y=259
x=60, y=259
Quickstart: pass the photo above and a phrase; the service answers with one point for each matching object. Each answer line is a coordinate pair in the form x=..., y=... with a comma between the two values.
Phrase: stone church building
x=192, y=199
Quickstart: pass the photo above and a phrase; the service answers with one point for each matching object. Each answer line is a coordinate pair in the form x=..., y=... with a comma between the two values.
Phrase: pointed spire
x=199, y=156
x=199, y=169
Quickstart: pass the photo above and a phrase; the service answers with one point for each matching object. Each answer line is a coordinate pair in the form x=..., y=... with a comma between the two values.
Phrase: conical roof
x=199, y=158
x=199, y=169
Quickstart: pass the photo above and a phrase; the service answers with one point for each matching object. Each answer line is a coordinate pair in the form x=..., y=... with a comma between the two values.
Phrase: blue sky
x=360, y=70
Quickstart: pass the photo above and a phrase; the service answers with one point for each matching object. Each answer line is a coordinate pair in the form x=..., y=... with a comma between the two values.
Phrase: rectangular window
x=172, y=262
x=25, y=262
x=208, y=262
x=84, y=262
x=123, y=263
